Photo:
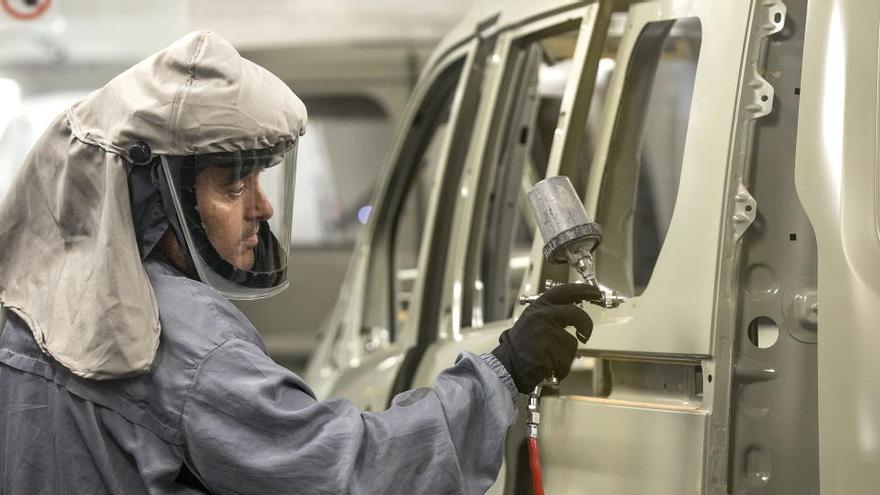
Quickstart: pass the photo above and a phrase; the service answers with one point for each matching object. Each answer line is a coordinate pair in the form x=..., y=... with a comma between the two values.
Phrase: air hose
x=532, y=420
x=535, y=466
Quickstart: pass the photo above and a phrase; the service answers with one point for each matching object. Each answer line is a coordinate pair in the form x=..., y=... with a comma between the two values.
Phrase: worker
x=125, y=370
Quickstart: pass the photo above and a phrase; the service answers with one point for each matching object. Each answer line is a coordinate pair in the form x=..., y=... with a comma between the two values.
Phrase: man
x=123, y=369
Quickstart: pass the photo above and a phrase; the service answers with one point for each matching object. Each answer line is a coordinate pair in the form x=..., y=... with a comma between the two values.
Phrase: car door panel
x=674, y=314
x=649, y=424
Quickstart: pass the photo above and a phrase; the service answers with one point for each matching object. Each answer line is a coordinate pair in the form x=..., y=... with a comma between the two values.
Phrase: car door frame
x=452, y=338
x=346, y=367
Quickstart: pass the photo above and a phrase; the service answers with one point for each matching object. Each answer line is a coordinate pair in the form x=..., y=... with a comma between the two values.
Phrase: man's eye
x=237, y=189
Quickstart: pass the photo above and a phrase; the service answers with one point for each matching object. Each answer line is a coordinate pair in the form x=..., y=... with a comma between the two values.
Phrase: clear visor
x=235, y=210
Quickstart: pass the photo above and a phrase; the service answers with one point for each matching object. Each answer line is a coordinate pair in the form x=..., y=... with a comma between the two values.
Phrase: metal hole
x=763, y=332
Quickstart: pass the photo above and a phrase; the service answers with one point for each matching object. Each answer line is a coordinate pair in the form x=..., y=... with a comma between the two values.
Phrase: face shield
x=234, y=211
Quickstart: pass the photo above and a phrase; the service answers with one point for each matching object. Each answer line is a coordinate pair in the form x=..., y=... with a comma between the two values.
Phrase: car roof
x=495, y=15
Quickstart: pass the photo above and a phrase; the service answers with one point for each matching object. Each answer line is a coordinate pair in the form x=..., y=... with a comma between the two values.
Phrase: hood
x=70, y=264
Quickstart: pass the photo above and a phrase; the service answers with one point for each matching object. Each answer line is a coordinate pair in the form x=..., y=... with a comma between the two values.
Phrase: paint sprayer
x=570, y=236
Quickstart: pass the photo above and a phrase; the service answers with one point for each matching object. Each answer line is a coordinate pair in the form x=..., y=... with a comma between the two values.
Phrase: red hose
x=535, y=465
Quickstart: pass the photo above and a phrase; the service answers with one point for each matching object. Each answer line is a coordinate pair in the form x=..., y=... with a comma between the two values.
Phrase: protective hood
x=70, y=264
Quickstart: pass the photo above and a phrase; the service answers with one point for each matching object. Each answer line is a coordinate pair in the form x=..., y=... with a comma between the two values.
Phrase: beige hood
x=69, y=261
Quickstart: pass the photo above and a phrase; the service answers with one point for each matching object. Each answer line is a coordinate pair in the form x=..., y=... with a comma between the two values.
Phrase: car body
x=729, y=148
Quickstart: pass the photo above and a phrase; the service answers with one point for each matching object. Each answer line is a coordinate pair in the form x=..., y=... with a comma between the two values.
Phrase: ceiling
x=299, y=22
x=105, y=31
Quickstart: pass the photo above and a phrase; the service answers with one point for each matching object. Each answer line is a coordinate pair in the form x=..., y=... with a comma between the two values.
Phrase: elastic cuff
x=496, y=366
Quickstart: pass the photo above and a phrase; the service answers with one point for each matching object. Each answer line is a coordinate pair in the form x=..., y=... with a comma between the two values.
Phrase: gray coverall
x=217, y=415
x=209, y=411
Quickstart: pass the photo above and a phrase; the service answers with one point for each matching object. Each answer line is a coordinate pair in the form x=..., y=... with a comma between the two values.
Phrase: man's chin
x=245, y=263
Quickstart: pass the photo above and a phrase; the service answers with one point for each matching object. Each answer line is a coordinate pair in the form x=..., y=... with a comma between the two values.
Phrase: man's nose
x=261, y=207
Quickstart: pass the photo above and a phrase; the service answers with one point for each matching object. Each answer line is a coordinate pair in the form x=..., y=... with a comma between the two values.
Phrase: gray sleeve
x=251, y=426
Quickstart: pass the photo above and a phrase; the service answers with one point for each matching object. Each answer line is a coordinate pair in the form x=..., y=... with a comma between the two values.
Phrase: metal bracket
x=762, y=95
x=744, y=212
x=774, y=11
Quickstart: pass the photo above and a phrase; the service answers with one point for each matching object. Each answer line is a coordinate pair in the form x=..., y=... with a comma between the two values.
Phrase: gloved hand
x=538, y=345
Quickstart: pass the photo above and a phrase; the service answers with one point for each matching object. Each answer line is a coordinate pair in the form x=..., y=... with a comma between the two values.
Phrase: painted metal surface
x=654, y=322
x=663, y=448
x=837, y=181
x=768, y=17
x=773, y=402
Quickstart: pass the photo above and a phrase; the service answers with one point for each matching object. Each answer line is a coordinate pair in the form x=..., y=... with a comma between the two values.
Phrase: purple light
x=364, y=214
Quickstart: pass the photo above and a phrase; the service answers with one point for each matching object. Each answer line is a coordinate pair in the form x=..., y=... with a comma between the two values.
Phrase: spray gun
x=569, y=237
x=569, y=234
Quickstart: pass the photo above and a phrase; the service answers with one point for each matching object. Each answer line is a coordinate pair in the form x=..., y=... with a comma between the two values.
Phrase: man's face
x=231, y=209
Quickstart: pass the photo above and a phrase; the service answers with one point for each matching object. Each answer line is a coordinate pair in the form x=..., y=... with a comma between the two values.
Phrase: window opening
x=593, y=125
x=538, y=70
x=397, y=242
x=643, y=165
x=410, y=222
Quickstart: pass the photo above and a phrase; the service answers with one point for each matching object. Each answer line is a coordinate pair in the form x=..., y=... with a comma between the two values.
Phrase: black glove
x=538, y=346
